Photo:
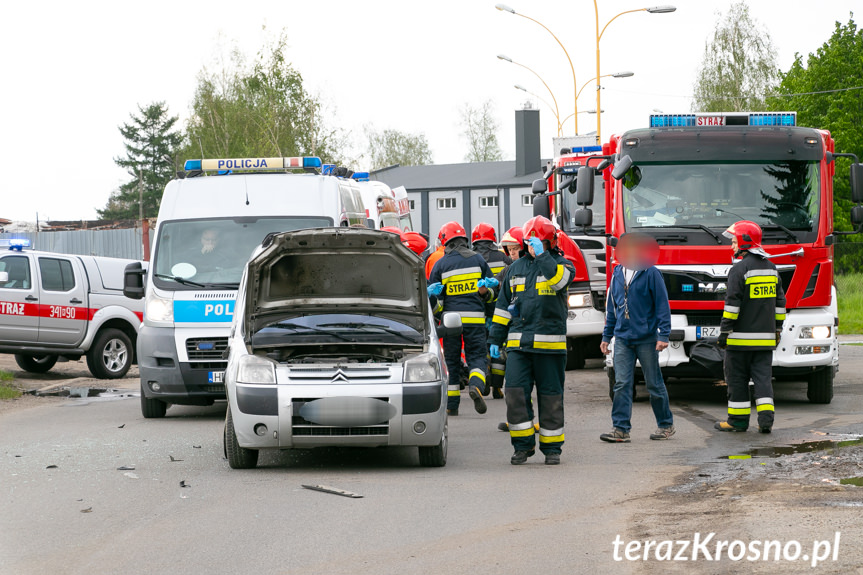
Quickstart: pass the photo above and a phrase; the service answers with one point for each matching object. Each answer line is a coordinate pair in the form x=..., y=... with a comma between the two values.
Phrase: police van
x=212, y=216
x=385, y=206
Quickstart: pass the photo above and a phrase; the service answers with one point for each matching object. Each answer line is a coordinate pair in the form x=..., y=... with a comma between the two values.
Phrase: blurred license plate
x=216, y=377
x=703, y=332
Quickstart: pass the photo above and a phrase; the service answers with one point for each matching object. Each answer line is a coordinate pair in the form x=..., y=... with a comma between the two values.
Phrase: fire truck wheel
x=110, y=356
x=35, y=363
x=574, y=354
x=820, y=388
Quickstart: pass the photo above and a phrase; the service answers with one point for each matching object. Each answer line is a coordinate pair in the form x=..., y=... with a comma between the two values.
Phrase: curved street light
x=511, y=61
x=544, y=101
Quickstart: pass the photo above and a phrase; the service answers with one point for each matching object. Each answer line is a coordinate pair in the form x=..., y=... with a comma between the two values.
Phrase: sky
x=74, y=71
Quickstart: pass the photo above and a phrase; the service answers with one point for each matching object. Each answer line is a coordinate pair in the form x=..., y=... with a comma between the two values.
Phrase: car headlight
x=422, y=368
x=815, y=332
x=158, y=309
x=579, y=300
x=256, y=369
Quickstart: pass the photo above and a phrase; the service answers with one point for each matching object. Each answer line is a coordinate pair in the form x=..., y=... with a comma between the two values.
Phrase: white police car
x=333, y=344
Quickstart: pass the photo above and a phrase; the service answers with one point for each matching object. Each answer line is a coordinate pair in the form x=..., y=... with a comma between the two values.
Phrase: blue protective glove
x=435, y=289
x=488, y=283
x=494, y=351
x=536, y=244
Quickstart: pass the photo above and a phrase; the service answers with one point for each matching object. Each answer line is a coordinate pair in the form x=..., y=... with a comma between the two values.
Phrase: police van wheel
x=820, y=388
x=110, y=356
x=435, y=456
x=574, y=354
x=238, y=457
x=35, y=363
x=152, y=408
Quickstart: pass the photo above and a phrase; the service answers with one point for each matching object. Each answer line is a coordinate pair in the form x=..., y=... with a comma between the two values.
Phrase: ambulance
x=212, y=216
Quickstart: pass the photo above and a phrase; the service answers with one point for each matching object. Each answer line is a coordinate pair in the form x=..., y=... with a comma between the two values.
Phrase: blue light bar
x=223, y=165
x=672, y=120
x=361, y=176
x=192, y=165
x=327, y=169
x=773, y=119
x=15, y=243
x=311, y=162
x=586, y=149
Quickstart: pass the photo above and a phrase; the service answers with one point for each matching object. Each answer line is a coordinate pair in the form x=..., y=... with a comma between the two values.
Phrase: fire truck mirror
x=583, y=217
x=603, y=165
x=857, y=183
x=857, y=215
x=621, y=167
x=584, y=186
x=539, y=186
x=541, y=207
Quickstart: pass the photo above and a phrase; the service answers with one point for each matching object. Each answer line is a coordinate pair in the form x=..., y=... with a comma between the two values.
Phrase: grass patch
x=6, y=390
x=849, y=289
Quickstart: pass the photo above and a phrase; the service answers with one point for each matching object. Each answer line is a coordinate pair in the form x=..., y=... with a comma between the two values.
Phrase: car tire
x=238, y=457
x=35, y=363
x=820, y=386
x=110, y=356
x=574, y=354
x=435, y=456
x=152, y=408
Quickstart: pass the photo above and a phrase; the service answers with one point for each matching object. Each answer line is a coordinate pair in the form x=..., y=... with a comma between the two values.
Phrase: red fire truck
x=684, y=180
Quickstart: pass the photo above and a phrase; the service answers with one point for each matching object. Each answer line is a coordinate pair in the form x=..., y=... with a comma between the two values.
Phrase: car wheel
x=152, y=408
x=238, y=457
x=35, y=363
x=435, y=456
x=820, y=388
x=110, y=356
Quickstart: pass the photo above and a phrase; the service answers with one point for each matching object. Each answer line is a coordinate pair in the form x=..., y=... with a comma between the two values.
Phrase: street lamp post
x=505, y=8
x=583, y=86
x=556, y=109
x=653, y=10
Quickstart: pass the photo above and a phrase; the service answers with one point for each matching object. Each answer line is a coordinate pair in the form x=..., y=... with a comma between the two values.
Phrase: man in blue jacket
x=639, y=318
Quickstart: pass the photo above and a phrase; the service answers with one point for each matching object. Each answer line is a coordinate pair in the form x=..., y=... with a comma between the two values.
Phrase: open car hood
x=335, y=270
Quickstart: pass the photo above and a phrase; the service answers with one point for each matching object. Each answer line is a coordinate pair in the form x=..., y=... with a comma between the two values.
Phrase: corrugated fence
x=109, y=243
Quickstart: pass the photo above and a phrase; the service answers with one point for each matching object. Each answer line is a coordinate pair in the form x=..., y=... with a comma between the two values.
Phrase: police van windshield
x=782, y=197
x=191, y=254
x=598, y=207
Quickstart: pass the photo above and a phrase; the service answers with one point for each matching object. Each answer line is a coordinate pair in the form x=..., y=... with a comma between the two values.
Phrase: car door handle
x=74, y=300
x=31, y=298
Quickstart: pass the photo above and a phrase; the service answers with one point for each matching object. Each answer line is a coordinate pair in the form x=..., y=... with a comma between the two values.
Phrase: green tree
x=151, y=149
x=390, y=147
x=738, y=67
x=480, y=131
x=817, y=91
x=260, y=109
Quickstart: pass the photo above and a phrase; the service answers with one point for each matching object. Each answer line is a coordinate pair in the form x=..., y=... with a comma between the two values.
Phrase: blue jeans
x=625, y=354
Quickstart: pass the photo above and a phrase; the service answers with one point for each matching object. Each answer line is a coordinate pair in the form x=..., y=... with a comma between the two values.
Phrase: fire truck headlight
x=579, y=300
x=815, y=332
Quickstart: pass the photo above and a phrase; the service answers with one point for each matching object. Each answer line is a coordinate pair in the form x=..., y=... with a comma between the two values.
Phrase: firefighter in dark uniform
x=530, y=317
x=462, y=282
x=483, y=240
x=750, y=329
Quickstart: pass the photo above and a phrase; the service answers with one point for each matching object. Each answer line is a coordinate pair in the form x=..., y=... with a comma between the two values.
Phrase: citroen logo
x=339, y=377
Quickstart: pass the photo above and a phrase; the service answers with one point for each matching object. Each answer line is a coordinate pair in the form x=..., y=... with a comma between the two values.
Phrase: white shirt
x=628, y=275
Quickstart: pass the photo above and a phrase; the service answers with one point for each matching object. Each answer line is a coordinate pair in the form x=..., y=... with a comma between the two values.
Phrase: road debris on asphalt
x=334, y=491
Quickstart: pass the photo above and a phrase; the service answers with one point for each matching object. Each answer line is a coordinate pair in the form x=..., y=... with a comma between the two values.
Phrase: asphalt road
x=478, y=514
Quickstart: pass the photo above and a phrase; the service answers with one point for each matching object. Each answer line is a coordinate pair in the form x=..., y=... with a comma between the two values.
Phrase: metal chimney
x=527, y=160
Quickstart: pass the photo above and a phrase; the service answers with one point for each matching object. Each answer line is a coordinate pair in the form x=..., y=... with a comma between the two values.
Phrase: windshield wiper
x=781, y=228
x=364, y=326
x=233, y=285
x=297, y=326
x=691, y=227
x=179, y=280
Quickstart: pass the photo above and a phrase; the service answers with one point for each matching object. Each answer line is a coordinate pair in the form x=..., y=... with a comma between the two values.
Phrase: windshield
x=570, y=207
x=191, y=254
x=781, y=195
x=335, y=328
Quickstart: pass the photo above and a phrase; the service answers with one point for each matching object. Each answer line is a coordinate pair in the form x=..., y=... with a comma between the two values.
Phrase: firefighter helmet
x=539, y=227
x=450, y=231
x=415, y=242
x=513, y=236
x=392, y=230
x=748, y=235
x=483, y=233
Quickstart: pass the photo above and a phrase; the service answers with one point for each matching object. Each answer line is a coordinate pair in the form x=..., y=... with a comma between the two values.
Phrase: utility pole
x=140, y=195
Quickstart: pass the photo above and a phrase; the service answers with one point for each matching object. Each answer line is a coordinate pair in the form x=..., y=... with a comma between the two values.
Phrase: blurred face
x=209, y=241
x=637, y=251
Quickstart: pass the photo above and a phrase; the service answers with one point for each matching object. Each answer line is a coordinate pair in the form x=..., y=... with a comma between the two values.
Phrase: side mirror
x=567, y=184
x=133, y=281
x=4, y=277
x=541, y=206
x=612, y=241
x=621, y=167
x=857, y=215
x=583, y=217
x=856, y=183
x=603, y=165
x=539, y=186
x=584, y=186
x=450, y=325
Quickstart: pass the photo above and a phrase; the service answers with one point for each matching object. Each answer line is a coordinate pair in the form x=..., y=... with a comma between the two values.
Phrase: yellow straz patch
x=462, y=287
x=543, y=288
x=762, y=291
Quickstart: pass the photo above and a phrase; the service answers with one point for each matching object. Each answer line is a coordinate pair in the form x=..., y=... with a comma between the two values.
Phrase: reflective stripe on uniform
x=472, y=316
x=476, y=372
x=461, y=274
x=549, y=341
x=761, y=275
x=730, y=312
x=780, y=313
x=752, y=339
x=513, y=340
x=516, y=284
x=521, y=429
x=764, y=404
x=496, y=269
x=453, y=390
x=739, y=408
x=551, y=435
x=560, y=278
x=501, y=316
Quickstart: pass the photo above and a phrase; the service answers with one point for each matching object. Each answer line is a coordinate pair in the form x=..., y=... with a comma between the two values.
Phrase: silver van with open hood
x=333, y=344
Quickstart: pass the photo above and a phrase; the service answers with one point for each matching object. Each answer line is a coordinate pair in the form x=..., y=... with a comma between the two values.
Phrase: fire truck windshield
x=783, y=196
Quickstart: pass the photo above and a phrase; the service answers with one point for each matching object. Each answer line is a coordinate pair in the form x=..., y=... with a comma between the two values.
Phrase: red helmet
x=415, y=242
x=748, y=234
x=483, y=233
x=541, y=228
x=513, y=235
x=392, y=230
x=450, y=231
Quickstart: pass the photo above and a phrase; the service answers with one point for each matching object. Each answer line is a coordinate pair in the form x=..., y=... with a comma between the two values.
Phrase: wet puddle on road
x=829, y=446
